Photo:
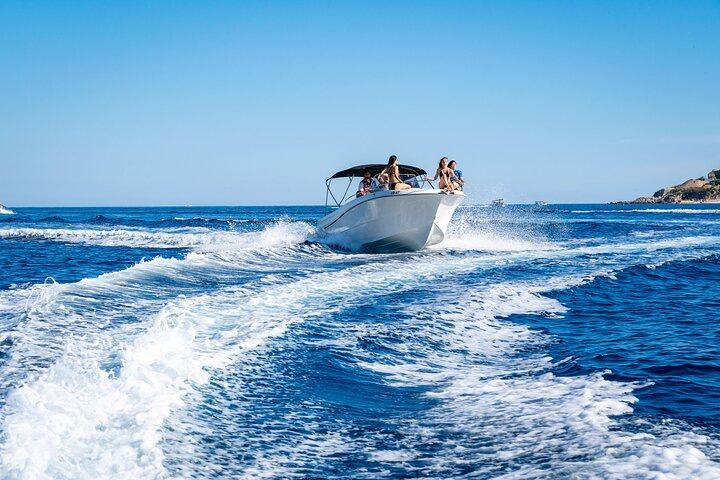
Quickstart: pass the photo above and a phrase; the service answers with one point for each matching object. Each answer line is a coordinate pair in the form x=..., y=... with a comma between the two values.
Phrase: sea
x=553, y=342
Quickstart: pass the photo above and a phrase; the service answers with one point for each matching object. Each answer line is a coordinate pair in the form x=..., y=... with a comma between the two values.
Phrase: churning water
x=571, y=341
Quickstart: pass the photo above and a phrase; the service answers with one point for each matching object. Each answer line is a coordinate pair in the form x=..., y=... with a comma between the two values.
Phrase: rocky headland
x=700, y=190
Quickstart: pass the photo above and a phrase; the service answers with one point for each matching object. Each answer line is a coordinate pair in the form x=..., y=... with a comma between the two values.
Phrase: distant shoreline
x=690, y=192
x=682, y=202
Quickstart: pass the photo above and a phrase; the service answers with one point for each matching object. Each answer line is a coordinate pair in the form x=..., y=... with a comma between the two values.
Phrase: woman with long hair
x=392, y=173
x=445, y=174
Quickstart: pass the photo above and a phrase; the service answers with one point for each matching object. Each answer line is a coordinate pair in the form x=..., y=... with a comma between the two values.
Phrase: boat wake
x=197, y=238
x=506, y=395
x=265, y=354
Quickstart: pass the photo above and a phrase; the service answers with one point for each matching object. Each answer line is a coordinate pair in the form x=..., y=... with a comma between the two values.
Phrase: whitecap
x=198, y=239
x=654, y=210
x=507, y=415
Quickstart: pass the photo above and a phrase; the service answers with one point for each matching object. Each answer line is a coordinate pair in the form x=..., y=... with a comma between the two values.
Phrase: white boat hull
x=392, y=221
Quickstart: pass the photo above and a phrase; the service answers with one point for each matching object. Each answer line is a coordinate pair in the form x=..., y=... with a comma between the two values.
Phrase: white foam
x=493, y=242
x=391, y=456
x=677, y=210
x=211, y=219
x=79, y=418
x=110, y=425
x=5, y=211
x=280, y=233
x=650, y=246
x=468, y=231
x=653, y=210
x=185, y=332
x=508, y=414
x=46, y=315
x=645, y=233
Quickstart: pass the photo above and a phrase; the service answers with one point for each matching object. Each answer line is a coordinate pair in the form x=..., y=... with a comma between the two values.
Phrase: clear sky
x=245, y=103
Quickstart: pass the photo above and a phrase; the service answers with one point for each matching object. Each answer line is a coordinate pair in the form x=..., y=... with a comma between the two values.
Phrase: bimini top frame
x=376, y=168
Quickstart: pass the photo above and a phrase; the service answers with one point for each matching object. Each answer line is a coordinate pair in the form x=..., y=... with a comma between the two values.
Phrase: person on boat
x=381, y=180
x=392, y=171
x=365, y=184
x=459, y=182
x=445, y=174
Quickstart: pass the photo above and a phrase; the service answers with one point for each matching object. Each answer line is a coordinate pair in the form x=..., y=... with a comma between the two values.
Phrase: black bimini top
x=376, y=168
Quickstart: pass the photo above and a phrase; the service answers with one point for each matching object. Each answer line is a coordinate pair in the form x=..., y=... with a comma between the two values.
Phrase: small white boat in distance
x=540, y=203
x=498, y=203
x=387, y=221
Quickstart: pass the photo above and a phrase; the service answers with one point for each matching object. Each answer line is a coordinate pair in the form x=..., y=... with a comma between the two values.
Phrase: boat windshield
x=340, y=192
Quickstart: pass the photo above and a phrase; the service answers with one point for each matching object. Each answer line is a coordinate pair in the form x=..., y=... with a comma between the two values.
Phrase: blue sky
x=244, y=103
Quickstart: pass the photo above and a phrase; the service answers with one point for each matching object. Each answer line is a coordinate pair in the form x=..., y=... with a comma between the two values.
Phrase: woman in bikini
x=445, y=174
x=392, y=173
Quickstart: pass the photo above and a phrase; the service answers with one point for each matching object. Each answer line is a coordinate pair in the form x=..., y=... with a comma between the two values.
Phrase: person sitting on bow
x=446, y=175
x=459, y=181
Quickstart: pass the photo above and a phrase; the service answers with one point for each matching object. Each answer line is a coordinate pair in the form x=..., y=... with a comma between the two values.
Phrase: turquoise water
x=566, y=341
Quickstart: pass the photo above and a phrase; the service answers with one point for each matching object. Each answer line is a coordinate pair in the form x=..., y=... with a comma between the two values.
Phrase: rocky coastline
x=699, y=190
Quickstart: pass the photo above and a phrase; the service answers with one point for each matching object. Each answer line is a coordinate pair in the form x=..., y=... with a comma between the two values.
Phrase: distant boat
x=540, y=203
x=4, y=210
x=498, y=203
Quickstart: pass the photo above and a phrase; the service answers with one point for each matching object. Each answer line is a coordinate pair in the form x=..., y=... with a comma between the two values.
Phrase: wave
x=469, y=233
x=482, y=341
x=207, y=220
x=677, y=210
x=651, y=246
x=493, y=242
x=495, y=405
x=109, y=421
x=203, y=240
x=5, y=211
x=189, y=336
x=53, y=219
x=125, y=222
x=653, y=210
x=510, y=414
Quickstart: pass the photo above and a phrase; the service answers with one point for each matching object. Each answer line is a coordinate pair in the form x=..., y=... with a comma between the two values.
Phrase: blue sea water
x=566, y=341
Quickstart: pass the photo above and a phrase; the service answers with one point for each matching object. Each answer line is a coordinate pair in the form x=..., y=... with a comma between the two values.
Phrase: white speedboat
x=498, y=203
x=540, y=203
x=384, y=221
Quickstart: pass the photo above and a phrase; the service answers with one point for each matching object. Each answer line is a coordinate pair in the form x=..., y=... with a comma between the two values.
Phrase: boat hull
x=392, y=221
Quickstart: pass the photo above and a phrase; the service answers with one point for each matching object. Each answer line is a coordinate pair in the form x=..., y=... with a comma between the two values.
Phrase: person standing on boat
x=365, y=184
x=445, y=174
x=460, y=181
x=392, y=171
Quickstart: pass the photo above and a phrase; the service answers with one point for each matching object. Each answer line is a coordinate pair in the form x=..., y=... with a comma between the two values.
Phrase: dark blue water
x=568, y=341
